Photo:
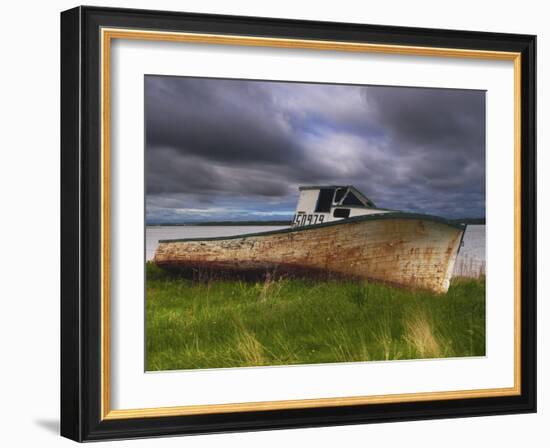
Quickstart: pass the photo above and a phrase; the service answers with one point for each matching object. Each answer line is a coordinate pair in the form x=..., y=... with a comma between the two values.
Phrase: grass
x=191, y=325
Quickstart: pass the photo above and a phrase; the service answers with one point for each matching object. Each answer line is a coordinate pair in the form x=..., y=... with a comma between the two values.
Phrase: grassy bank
x=234, y=324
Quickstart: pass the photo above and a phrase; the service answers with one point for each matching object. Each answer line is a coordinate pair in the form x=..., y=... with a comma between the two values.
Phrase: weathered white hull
x=397, y=248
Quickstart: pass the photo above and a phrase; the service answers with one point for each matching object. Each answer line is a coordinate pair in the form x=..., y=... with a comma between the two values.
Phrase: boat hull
x=410, y=251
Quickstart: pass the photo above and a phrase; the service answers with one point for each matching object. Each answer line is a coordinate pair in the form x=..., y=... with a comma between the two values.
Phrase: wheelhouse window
x=324, y=201
x=351, y=199
x=341, y=213
x=340, y=192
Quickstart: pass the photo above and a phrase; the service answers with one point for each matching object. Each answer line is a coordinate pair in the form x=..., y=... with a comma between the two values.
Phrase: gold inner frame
x=107, y=35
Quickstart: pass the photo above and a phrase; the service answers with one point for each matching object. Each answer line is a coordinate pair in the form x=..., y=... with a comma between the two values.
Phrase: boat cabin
x=320, y=204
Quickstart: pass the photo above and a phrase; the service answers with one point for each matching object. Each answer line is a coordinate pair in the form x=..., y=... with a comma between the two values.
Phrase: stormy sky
x=219, y=149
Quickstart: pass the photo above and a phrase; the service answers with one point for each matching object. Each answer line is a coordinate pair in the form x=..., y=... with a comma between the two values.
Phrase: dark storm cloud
x=222, y=120
x=231, y=149
x=445, y=117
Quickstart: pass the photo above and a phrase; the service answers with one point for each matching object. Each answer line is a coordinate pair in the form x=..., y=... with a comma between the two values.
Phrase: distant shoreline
x=223, y=223
x=480, y=221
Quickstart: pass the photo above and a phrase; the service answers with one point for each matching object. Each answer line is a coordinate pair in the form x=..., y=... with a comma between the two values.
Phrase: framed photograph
x=275, y=224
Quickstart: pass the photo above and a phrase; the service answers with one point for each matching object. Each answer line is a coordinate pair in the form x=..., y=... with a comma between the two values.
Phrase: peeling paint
x=418, y=253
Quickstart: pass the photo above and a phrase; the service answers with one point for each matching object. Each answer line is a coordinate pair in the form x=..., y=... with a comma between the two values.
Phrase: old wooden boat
x=336, y=232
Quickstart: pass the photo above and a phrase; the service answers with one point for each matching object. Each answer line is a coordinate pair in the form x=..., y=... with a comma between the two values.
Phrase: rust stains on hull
x=409, y=252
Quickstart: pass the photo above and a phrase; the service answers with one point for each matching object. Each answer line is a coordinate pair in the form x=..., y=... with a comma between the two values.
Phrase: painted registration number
x=303, y=219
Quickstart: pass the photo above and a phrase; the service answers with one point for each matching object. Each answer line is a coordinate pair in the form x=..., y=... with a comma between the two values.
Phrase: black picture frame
x=81, y=224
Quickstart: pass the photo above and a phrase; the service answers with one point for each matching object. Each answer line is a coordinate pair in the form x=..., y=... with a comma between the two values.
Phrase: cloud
x=237, y=148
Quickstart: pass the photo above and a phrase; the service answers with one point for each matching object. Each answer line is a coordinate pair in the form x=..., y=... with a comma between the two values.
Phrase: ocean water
x=470, y=261
x=471, y=256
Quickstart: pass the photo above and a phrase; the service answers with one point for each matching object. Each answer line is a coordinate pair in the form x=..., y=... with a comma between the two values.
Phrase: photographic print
x=303, y=223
